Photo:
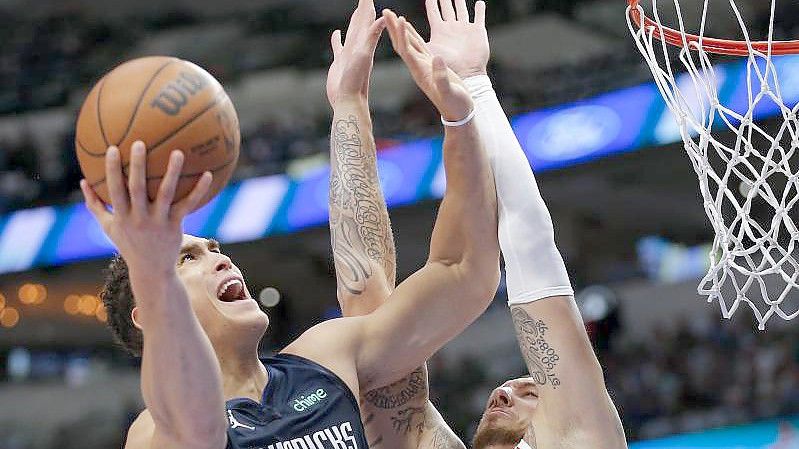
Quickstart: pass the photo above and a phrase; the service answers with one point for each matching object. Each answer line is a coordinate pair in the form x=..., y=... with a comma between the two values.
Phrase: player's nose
x=223, y=263
x=502, y=396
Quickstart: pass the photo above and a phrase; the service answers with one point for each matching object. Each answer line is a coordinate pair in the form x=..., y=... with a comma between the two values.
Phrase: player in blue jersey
x=563, y=403
x=184, y=306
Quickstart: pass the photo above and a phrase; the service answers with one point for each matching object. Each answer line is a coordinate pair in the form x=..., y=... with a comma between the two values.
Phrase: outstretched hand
x=441, y=85
x=138, y=225
x=353, y=59
x=462, y=44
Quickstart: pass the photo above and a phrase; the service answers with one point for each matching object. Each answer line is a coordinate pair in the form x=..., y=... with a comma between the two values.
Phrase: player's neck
x=243, y=374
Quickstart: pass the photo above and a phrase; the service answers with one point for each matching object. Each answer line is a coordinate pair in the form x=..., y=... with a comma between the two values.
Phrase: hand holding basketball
x=137, y=224
x=441, y=85
x=167, y=103
x=462, y=44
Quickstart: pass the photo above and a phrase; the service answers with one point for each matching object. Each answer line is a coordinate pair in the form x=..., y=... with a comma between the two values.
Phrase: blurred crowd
x=700, y=374
x=705, y=373
x=46, y=62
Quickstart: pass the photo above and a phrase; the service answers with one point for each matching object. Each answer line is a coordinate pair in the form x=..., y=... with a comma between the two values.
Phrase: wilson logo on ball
x=171, y=99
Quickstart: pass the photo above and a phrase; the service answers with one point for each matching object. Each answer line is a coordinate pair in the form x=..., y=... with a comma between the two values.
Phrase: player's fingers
x=169, y=183
x=93, y=202
x=433, y=13
x=402, y=35
x=363, y=15
x=137, y=178
x=367, y=8
x=462, y=10
x=447, y=11
x=351, y=26
x=335, y=43
x=393, y=29
x=117, y=191
x=374, y=33
x=197, y=194
x=480, y=12
x=415, y=39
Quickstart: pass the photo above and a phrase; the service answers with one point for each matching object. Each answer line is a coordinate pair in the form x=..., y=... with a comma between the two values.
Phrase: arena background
x=607, y=155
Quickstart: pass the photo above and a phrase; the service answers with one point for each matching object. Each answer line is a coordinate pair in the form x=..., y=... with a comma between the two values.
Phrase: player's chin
x=244, y=311
x=494, y=431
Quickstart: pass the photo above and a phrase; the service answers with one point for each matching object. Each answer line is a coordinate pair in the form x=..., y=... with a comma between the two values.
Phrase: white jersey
x=523, y=445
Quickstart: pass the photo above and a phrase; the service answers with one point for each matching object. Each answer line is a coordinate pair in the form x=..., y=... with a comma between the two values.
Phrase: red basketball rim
x=709, y=44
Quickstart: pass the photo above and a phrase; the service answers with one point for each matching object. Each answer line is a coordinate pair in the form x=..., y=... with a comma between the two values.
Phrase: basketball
x=169, y=104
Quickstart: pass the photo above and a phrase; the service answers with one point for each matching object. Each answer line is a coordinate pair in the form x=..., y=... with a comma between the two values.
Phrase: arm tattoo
x=399, y=393
x=443, y=439
x=377, y=442
x=403, y=422
x=359, y=226
x=541, y=358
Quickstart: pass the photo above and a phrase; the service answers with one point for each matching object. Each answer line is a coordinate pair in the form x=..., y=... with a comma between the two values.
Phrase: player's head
x=216, y=289
x=508, y=414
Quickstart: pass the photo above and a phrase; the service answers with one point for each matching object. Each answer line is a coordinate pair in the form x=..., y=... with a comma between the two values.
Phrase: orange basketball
x=169, y=104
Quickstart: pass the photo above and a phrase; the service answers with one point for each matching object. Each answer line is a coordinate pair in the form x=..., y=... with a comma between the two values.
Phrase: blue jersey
x=304, y=406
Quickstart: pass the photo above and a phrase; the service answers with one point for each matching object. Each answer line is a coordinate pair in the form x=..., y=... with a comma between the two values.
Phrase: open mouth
x=231, y=290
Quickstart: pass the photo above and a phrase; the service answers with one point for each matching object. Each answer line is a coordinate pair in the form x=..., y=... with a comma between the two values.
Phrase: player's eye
x=186, y=257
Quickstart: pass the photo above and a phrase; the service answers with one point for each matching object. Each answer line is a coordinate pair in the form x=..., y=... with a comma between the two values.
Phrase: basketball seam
x=177, y=130
x=141, y=97
x=149, y=150
x=80, y=144
x=99, y=115
x=183, y=175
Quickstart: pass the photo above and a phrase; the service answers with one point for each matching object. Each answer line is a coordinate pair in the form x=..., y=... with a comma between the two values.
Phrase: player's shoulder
x=337, y=334
x=331, y=344
x=141, y=431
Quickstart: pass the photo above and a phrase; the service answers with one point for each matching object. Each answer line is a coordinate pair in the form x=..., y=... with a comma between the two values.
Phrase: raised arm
x=461, y=274
x=399, y=414
x=574, y=409
x=360, y=230
x=180, y=376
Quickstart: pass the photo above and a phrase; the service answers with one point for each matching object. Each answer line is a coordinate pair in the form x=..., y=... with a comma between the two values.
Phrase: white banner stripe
x=23, y=236
x=253, y=208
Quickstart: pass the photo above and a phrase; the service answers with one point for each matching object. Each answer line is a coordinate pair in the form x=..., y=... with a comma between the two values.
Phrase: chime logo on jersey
x=334, y=437
x=305, y=401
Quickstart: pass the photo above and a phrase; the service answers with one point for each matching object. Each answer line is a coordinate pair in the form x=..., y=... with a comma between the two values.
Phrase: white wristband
x=466, y=120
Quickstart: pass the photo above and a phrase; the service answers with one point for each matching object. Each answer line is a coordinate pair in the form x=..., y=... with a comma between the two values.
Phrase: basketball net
x=748, y=175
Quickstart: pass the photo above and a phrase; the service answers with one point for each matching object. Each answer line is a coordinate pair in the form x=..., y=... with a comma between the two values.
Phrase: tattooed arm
x=363, y=245
x=360, y=231
x=574, y=409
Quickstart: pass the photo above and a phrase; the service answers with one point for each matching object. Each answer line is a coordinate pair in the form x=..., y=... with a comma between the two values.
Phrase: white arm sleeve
x=534, y=268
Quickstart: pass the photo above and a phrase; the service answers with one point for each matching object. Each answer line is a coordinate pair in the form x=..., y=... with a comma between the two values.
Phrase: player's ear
x=134, y=316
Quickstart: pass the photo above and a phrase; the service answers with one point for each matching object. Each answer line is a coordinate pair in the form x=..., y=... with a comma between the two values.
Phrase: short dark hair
x=117, y=296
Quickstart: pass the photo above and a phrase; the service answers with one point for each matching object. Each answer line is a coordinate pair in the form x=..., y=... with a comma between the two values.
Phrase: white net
x=748, y=169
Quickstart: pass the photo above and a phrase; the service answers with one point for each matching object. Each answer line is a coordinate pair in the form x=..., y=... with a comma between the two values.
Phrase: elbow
x=481, y=277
